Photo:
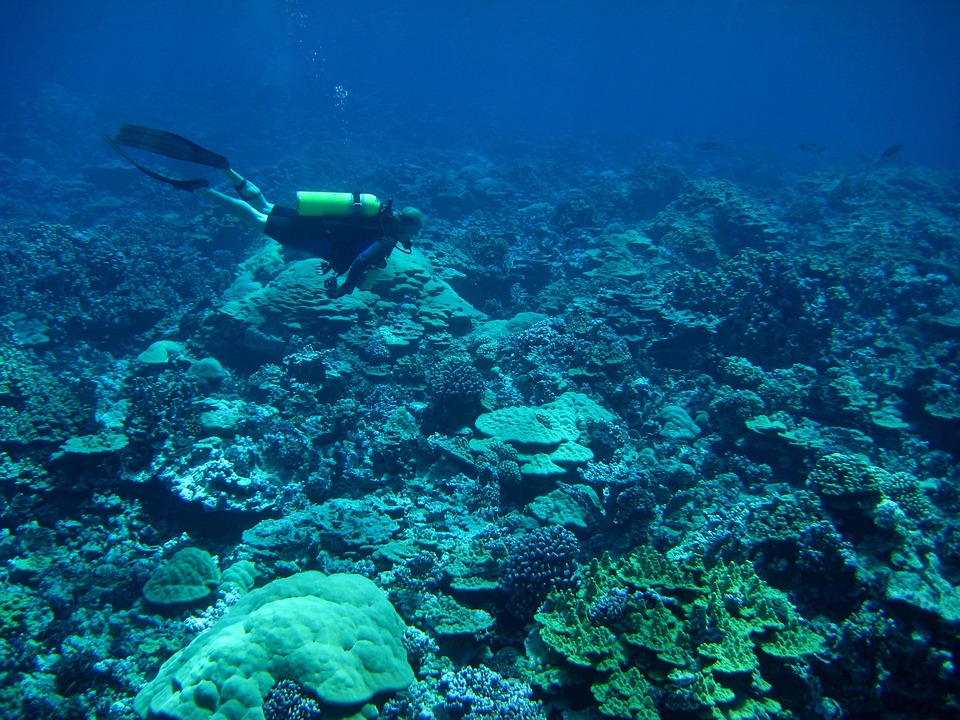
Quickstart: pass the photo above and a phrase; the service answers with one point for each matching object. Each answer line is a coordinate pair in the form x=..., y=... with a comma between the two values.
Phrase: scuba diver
x=353, y=232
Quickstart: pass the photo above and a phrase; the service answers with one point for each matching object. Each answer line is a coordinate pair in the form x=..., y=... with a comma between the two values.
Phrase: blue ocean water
x=657, y=419
x=855, y=77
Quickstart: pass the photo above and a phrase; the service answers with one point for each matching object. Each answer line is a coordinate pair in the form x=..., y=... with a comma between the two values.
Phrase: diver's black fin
x=161, y=142
x=189, y=185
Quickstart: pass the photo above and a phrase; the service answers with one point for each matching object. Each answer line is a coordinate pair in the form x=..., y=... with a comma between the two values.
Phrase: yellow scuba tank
x=337, y=204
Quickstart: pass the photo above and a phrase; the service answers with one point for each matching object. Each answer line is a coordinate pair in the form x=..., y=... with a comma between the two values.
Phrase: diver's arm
x=374, y=254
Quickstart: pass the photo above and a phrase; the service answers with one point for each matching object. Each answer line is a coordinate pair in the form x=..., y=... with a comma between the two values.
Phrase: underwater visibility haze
x=480, y=360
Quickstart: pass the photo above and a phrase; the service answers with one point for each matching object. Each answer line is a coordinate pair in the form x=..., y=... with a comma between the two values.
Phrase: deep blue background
x=252, y=76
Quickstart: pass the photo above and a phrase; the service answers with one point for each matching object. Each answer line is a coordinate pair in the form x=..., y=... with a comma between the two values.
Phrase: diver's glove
x=332, y=289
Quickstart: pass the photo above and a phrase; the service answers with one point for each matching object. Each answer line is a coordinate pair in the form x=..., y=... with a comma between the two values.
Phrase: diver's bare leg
x=247, y=191
x=241, y=209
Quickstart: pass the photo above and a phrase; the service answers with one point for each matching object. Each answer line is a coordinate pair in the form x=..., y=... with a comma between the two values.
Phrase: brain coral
x=336, y=636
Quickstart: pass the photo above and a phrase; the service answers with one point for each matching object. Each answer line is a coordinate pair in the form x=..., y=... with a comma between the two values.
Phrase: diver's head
x=409, y=224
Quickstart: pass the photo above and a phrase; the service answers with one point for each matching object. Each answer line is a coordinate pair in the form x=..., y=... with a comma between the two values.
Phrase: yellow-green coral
x=655, y=628
x=564, y=627
x=734, y=652
x=626, y=695
x=647, y=568
x=792, y=643
x=695, y=637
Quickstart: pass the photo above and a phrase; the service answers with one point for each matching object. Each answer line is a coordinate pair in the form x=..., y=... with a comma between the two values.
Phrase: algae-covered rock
x=846, y=481
x=162, y=352
x=446, y=617
x=926, y=592
x=563, y=508
x=240, y=576
x=676, y=424
x=207, y=369
x=220, y=421
x=189, y=576
x=93, y=445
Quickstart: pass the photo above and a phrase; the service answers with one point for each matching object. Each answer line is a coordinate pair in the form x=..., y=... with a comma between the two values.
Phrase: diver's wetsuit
x=353, y=244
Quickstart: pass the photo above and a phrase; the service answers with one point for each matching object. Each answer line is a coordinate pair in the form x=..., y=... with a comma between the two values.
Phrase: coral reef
x=627, y=441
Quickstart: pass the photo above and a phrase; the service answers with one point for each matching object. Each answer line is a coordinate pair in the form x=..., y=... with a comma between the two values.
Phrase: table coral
x=549, y=437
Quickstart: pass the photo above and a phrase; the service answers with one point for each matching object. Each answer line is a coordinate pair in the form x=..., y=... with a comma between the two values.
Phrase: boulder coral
x=335, y=636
